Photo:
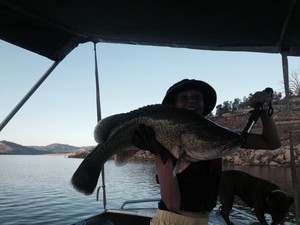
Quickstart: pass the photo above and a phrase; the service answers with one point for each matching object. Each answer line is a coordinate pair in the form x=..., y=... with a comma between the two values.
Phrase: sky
x=63, y=109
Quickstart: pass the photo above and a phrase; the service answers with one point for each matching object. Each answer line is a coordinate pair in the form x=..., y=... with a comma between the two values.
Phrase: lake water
x=36, y=189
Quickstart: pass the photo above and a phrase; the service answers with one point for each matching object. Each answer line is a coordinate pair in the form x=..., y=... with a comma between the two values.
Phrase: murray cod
x=188, y=136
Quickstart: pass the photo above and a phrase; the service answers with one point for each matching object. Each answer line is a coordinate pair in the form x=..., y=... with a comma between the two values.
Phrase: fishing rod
x=255, y=114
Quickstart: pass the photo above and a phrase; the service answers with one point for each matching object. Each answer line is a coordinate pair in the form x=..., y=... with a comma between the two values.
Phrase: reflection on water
x=135, y=179
x=36, y=189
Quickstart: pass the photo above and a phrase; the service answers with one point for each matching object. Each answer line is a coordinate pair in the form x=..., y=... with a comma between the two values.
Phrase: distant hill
x=11, y=148
x=7, y=147
x=238, y=119
x=235, y=121
x=57, y=148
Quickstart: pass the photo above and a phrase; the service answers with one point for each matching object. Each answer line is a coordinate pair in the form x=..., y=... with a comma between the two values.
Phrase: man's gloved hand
x=144, y=138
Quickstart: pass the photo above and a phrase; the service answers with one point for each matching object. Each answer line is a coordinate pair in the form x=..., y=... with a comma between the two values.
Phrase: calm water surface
x=36, y=189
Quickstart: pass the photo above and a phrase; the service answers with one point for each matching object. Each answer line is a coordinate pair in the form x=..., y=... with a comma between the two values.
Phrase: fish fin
x=175, y=170
x=104, y=127
x=180, y=165
x=122, y=157
x=86, y=176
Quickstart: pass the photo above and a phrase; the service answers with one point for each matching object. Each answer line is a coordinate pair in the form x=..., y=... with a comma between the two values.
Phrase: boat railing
x=98, y=190
x=139, y=201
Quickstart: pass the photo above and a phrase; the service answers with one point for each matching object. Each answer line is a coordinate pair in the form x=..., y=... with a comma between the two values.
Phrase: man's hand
x=144, y=138
x=262, y=98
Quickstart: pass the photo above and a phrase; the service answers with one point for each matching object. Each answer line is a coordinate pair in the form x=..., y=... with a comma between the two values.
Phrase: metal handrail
x=139, y=201
x=28, y=95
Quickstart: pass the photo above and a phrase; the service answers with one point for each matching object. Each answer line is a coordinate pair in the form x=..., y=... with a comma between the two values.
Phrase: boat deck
x=142, y=216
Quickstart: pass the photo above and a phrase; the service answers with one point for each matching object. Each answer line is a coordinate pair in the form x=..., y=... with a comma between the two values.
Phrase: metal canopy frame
x=54, y=28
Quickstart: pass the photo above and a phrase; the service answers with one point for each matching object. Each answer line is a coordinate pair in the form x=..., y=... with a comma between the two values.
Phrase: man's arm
x=269, y=138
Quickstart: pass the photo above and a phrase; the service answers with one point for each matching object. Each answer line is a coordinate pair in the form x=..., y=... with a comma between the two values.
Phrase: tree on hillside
x=228, y=107
x=277, y=96
x=236, y=104
x=295, y=83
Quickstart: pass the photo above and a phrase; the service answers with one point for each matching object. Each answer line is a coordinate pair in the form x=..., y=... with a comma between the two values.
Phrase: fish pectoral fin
x=123, y=156
x=180, y=166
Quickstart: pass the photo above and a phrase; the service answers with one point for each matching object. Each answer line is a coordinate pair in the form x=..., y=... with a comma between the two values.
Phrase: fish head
x=209, y=144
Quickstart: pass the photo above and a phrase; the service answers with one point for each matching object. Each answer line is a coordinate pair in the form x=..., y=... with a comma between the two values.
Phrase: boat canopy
x=54, y=28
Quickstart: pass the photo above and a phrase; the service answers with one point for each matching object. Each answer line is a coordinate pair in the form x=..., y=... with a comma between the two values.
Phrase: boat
x=142, y=216
x=53, y=29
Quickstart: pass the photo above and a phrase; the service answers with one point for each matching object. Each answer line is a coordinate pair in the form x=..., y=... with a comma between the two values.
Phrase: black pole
x=285, y=70
x=99, y=118
x=28, y=95
x=255, y=114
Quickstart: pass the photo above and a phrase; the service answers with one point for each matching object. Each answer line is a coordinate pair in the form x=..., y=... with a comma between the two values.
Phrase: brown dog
x=257, y=193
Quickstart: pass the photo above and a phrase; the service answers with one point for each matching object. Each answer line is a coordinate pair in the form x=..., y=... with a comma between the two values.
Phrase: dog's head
x=279, y=204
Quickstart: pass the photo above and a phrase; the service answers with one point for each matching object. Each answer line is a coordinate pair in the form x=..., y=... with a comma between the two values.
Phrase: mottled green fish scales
x=178, y=130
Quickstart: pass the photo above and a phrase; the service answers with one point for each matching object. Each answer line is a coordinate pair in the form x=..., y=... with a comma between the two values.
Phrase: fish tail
x=86, y=176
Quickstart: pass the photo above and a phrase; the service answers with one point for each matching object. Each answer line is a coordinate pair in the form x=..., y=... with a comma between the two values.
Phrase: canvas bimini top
x=54, y=28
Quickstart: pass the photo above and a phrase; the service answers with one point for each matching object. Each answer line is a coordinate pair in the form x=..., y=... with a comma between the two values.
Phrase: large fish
x=188, y=136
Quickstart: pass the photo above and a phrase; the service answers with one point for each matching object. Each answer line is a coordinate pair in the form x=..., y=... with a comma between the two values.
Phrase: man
x=188, y=197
